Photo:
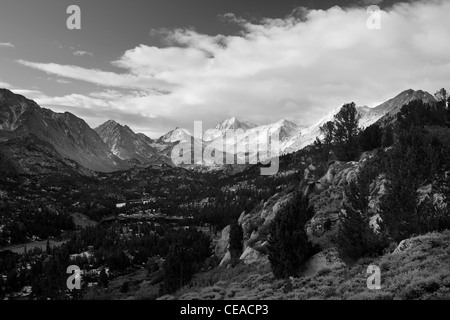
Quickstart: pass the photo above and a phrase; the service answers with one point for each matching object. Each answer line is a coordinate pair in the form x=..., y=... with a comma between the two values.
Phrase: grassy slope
x=420, y=272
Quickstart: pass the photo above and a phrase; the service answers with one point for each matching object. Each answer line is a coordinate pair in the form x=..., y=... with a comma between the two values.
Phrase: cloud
x=62, y=81
x=4, y=85
x=101, y=78
x=31, y=94
x=6, y=44
x=82, y=53
x=298, y=67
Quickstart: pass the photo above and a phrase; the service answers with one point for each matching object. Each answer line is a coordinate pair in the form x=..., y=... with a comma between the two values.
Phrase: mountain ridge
x=113, y=146
x=69, y=135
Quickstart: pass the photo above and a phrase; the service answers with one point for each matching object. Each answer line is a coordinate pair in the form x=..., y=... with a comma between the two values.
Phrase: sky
x=159, y=64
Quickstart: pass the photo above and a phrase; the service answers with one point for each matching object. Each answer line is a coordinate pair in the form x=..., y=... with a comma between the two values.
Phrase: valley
x=139, y=227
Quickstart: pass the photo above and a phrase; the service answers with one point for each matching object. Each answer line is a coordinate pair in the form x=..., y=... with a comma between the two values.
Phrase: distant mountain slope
x=31, y=156
x=387, y=110
x=176, y=135
x=112, y=146
x=369, y=116
x=126, y=144
x=229, y=124
x=292, y=137
x=71, y=137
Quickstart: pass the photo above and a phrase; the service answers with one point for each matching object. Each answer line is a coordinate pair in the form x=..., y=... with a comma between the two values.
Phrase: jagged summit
x=176, y=135
x=392, y=106
x=125, y=143
x=234, y=124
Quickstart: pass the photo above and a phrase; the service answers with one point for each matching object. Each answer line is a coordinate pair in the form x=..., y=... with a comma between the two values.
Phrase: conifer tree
x=356, y=238
x=103, y=279
x=288, y=241
x=236, y=237
x=346, y=131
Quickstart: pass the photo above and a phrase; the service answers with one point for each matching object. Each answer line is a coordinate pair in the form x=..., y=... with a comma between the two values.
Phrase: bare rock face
x=375, y=223
x=251, y=255
x=424, y=192
x=377, y=190
x=262, y=216
x=329, y=196
x=241, y=218
x=403, y=246
x=223, y=243
x=327, y=259
x=126, y=144
x=326, y=195
x=262, y=247
x=226, y=259
x=310, y=173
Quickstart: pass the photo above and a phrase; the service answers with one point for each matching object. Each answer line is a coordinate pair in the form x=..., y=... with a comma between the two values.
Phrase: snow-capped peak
x=176, y=135
x=234, y=124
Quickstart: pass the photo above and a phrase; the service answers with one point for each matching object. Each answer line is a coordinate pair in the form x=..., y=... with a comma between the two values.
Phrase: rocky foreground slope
x=326, y=195
x=416, y=269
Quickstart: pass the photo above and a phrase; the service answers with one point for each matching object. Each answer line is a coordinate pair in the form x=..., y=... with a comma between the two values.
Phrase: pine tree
x=388, y=137
x=346, y=131
x=178, y=268
x=288, y=241
x=48, y=249
x=356, y=238
x=327, y=130
x=103, y=279
x=236, y=237
x=370, y=138
x=442, y=96
x=398, y=207
x=1, y=287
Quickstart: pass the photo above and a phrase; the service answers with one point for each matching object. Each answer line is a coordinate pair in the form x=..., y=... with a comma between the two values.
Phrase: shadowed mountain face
x=389, y=109
x=31, y=156
x=126, y=144
x=70, y=136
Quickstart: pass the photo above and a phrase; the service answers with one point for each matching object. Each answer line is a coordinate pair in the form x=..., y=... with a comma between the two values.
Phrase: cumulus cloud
x=6, y=44
x=298, y=67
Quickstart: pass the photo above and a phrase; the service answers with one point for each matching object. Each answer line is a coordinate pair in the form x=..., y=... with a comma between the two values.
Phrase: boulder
x=404, y=246
x=254, y=235
x=351, y=176
x=374, y=223
x=223, y=243
x=226, y=259
x=326, y=259
x=310, y=173
x=251, y=255
x=424, y=192
x=241, y=218
x=377, y=191
x=261, y=247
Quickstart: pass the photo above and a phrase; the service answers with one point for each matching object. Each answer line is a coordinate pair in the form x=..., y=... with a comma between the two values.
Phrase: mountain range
x=31, y=135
